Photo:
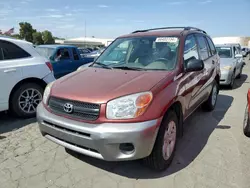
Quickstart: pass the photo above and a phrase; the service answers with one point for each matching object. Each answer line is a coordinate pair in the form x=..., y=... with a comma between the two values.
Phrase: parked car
x=84, y=51
x=94, y=54
x=231, y=64
x=246, y=123
x=134, y=108
x=245, y=51
x=64, y=58
x=24, y=75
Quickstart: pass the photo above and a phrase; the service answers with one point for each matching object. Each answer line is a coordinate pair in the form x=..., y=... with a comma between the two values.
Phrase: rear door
x=12, y=57
x=213, y=62
x=77, y=60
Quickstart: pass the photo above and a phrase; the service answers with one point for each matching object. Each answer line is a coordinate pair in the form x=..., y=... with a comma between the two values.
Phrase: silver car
x=231, y=63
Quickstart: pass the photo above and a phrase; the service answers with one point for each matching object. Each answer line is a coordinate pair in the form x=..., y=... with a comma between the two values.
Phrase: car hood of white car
x=226, y=62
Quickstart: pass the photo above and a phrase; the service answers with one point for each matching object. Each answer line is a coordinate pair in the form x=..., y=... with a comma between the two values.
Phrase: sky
x=111, y=18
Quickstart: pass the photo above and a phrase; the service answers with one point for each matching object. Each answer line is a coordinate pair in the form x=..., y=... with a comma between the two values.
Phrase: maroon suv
x=131, y=102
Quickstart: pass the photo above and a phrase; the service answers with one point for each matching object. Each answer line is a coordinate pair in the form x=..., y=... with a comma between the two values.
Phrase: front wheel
x=231, y=85
x=165, y=144
x=239, y=75
x=25, y=100
x=209, y=105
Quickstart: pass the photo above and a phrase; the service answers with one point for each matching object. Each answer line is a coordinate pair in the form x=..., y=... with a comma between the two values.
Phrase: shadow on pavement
x=237, y=83
x=197, y=130
x=9, y=123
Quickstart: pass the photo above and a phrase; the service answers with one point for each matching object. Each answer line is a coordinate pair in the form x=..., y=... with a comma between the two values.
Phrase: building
x=86, y=42
x=243, y=41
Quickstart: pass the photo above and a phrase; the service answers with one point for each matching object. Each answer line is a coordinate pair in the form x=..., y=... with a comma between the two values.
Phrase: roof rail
x=162, y=28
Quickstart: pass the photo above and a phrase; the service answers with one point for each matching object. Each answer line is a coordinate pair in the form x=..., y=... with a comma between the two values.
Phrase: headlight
x=80, y=68
x=47, y=93
x=227, y=67
x=130, y=106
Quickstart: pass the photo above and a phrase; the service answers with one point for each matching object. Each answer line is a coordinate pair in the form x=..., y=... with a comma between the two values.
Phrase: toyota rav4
x=130, y=103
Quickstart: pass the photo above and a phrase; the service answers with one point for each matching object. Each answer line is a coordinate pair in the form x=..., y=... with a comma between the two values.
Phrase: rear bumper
x=49, y=78
x=101, y=141
x=225, y=78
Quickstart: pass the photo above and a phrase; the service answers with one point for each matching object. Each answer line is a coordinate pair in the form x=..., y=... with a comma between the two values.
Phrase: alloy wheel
x=29, y=100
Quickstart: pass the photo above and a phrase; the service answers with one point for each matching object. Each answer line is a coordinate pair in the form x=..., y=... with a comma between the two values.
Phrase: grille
x=81, y=110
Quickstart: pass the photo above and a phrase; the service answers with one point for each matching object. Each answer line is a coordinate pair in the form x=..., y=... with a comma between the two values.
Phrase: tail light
x=49, y=65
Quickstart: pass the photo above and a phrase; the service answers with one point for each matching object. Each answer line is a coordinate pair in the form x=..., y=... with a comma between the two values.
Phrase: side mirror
x=51, y=58
x=238, y=56
x=194, y=65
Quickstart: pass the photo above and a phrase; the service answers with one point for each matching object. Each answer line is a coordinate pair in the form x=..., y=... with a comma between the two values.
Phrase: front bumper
x=101, y=141
x=226, y=77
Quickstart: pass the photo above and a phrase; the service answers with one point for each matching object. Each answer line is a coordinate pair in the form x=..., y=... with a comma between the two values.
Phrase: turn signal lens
x=142, y=103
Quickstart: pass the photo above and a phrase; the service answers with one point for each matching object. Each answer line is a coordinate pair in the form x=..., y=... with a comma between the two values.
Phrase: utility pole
x=85, y=32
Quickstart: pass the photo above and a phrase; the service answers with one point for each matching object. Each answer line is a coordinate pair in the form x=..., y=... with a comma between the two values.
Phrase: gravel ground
x=213, y=153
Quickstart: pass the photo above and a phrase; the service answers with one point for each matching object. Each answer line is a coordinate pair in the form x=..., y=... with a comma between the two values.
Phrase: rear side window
x=190, y=49
x=203, y=48
x=75, y=55
x=211, y=46
x=12, y=51
x=1, y=54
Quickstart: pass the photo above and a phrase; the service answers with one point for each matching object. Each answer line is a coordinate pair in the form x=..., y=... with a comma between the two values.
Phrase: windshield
x=224, y=52
x=45, y=52
x=146, y=53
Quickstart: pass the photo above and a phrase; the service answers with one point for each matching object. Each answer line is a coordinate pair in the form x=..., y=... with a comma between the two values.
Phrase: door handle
x=213, y=62
x=9, y=70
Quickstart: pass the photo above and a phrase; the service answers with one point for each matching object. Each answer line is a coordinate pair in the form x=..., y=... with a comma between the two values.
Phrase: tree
x=58, y=38
x=17, y=36
x=26, y=31
x=37, y=38
x=47, y=37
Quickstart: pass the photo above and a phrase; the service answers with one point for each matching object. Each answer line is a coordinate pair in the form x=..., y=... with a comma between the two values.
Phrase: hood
x=226, y=62
x=97, y=85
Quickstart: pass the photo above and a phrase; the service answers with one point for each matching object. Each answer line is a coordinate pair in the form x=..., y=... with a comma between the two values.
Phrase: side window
x=203, y=48
x=12, y=51
x=63, y=54
x=211, y=45
x=75, y=55
x=190, y=49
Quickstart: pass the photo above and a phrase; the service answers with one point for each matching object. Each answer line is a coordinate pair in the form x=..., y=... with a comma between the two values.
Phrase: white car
x=23, y=76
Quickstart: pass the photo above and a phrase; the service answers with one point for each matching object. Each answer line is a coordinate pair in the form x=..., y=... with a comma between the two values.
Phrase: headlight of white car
x=130, y=106
x=80, y=68
x=47, y=93
x=227, y=67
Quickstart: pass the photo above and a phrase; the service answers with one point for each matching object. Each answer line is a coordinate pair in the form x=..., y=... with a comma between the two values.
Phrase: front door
x=62, y=62
x=204, y=78
x=192, y=79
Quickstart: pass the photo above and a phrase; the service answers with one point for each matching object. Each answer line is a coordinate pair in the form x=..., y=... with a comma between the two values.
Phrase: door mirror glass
x=238, y=56
x=194, y=65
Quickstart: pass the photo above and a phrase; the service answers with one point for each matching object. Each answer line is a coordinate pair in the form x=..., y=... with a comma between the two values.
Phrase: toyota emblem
x=68, y=108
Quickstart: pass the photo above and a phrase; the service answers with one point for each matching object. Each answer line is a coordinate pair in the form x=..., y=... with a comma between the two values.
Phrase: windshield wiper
x=129, y=68
x=102, y=65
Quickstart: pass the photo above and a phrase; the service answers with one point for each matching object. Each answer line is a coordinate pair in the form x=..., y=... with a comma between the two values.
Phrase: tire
x=231, y=85
x=246, y=123
x=210, y=103
x=156, y=160
x=239, y=75
x=19, y=97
